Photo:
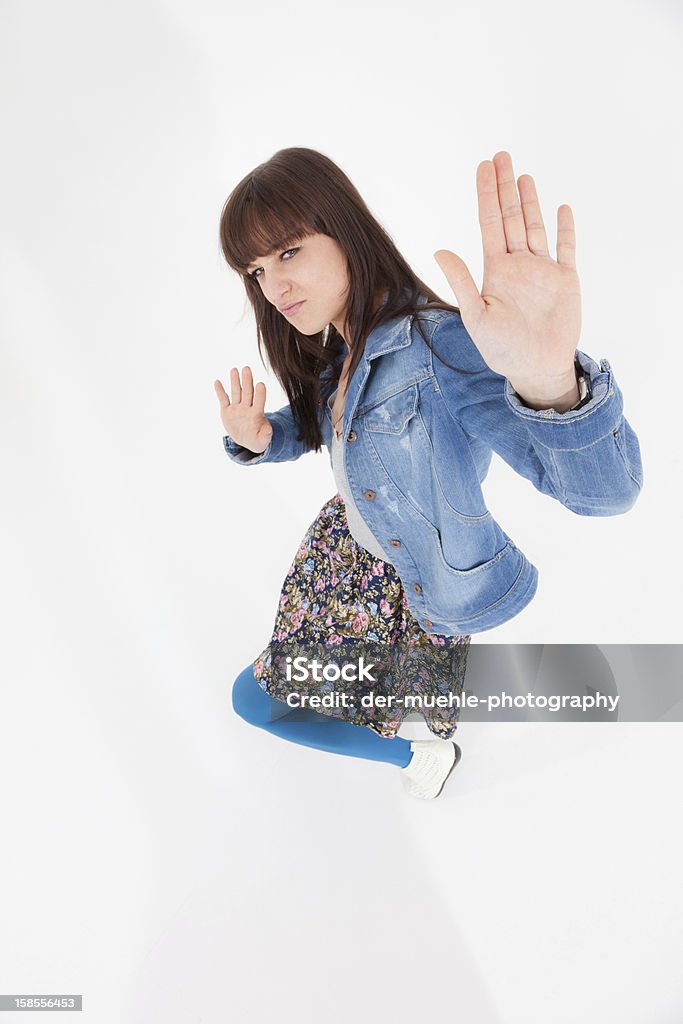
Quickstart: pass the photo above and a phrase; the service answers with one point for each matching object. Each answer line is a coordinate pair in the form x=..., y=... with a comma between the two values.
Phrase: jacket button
x=370, y=495
x=395, y=543
x=417, y=588
x=352, y=435
x=428, y=624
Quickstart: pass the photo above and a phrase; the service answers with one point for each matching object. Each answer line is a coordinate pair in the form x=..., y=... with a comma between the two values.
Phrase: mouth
x=293, y=309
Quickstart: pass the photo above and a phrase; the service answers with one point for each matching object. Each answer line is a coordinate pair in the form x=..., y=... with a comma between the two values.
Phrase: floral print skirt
x=339, y=601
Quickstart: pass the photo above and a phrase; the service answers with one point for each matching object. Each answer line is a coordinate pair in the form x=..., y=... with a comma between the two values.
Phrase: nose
x=277, y=286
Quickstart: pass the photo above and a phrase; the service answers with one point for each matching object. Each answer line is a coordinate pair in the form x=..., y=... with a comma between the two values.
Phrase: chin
x=308, y=328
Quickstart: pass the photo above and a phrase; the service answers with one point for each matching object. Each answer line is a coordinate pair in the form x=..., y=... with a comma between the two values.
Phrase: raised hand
x=526, y=322
x=243, y=414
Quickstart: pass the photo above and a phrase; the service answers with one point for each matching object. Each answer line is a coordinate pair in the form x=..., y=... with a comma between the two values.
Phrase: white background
x=159, y=855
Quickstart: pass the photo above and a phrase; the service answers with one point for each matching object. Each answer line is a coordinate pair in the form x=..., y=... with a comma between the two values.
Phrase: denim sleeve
x=588, y=459
x=283, y=446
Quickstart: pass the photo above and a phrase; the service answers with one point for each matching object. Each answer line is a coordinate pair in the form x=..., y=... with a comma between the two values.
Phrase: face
x=312, y=276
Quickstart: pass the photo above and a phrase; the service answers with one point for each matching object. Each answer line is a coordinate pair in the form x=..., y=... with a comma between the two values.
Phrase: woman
x=405, y=561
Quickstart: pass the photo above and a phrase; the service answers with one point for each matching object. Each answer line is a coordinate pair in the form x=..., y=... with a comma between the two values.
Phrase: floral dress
x=339, y=602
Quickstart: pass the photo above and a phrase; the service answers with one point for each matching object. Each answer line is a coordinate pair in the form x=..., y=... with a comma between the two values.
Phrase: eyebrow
x=279, y=247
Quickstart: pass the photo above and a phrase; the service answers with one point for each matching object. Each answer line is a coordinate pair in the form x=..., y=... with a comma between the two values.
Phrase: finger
x=490, y=217
x=247, y=385
x=510, y=206
x=260, y=398
x=459, y=278
x=221, y=392
x=533, y=218
x=566, y=237
x=235, y=386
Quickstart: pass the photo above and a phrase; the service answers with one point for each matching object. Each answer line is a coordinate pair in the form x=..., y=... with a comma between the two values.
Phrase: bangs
x=257, y=221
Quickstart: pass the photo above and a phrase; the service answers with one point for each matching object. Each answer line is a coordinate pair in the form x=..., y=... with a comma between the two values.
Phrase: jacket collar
x=387, y=337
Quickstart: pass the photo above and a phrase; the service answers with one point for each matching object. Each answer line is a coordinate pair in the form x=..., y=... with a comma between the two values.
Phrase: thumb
x=459, y=278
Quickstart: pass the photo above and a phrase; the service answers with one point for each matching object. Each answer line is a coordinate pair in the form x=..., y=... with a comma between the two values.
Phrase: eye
x=254, y=273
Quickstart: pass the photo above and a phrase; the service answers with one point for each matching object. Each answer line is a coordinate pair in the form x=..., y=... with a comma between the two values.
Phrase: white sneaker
x=431, y=764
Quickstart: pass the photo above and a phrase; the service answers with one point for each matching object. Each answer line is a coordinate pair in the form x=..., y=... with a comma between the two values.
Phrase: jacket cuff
x=578, y=428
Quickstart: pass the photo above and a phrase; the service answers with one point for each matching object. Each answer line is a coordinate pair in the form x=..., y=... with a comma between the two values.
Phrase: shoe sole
x=458, y=754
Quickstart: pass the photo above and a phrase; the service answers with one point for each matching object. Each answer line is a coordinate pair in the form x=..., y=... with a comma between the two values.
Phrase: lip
x=291, y=310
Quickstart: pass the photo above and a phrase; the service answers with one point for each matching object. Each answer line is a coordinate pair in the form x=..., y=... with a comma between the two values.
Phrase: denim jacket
x=419, y=441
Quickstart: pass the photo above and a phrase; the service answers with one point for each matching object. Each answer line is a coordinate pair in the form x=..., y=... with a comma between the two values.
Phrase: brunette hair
x=300, y=192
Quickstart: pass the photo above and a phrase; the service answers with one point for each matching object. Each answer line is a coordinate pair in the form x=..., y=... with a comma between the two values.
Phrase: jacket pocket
x=478, y=568
x=392, y=415
x=483, y=595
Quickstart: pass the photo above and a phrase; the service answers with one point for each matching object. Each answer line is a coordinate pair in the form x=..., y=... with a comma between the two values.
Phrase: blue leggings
x=311, y=728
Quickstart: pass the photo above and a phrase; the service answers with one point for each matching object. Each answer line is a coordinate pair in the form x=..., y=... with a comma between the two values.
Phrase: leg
x=320, y=731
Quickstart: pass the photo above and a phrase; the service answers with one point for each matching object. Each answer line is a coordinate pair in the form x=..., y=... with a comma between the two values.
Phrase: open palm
x=526, y=321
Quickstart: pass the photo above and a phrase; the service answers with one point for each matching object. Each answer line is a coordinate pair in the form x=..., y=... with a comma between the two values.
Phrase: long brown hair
x=300, y=192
